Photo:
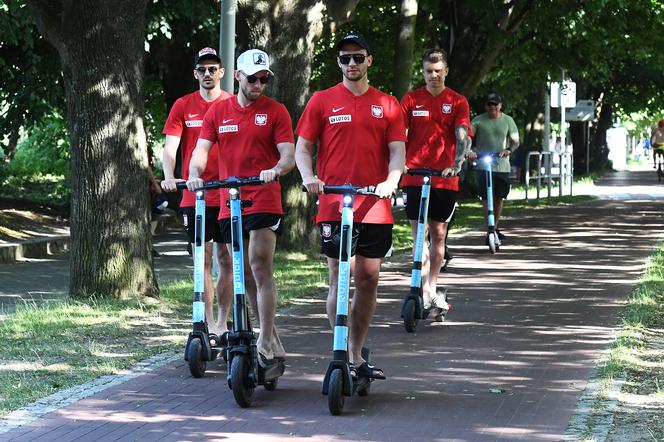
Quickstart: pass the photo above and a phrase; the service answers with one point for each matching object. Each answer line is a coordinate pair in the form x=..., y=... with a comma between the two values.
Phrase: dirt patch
x=24, y=224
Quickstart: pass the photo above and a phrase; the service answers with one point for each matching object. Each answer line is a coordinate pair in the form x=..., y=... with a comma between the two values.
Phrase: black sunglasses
x=211, y=69
x=357, y=58
x=252, y=78
x=492, y=104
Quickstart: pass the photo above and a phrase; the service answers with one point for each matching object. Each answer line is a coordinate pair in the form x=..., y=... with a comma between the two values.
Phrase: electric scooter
x=201, y=347
x=413, y=309
x=244, y=371
x=339, y=381
x=487, y=161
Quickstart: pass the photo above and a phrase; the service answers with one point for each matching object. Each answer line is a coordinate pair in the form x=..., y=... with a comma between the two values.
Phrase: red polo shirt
x=352, y=133
x=185, y=121
x=247, y=139
x=431, y=136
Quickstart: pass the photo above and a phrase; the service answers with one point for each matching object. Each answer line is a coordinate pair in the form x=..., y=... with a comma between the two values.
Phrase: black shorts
x=369, y=240
x=253, y=221
x=212, y=232
x=501, y=184
x=441, y=203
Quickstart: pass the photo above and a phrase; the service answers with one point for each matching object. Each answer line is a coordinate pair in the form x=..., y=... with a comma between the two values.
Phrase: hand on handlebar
x=269, y=175
x=194, y=184
x=472, y=155
x=504, y=153
x=313, y=185
x=171, y=185
x=451, y=172
x=385, y=189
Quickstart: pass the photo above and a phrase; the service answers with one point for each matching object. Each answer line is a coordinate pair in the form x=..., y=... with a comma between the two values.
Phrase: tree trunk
x=101, y=48
x=288, y=31
x=405, y=45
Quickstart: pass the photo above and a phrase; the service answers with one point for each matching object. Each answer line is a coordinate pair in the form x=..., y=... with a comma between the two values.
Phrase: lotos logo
x=261, y=119
x=447, y=108
x=377, y=111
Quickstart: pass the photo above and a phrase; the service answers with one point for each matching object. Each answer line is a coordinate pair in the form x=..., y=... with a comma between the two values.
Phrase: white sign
x=568, y=94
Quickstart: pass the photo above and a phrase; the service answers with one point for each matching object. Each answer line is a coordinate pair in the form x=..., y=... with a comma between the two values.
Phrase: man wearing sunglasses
x=360, y=136
x=438, y=120
x=181, y=129
x=495, y=132
x=254, y=136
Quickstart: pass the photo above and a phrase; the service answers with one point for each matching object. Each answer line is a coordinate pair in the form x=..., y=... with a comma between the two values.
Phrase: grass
x=637, y=354
x=61, y=344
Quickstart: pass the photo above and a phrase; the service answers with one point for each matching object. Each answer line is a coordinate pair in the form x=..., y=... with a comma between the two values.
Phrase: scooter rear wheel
x=493, y=247
x=240, y=380
x=335, y=392
x=197, y=365
x=410, y=316
x=271, y=385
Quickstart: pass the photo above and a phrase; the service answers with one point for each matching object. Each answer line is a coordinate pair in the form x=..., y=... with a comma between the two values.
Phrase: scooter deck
x=271, y=372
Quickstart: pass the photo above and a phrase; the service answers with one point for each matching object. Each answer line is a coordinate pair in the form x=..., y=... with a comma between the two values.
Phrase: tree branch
x=48, y=18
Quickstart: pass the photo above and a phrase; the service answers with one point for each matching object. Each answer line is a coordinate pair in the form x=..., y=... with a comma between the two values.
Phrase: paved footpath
x=531, y=321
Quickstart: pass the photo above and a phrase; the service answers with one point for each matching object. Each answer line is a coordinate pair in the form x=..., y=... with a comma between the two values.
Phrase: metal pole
x=563, y=144
x=227, y=42
x=587, y=148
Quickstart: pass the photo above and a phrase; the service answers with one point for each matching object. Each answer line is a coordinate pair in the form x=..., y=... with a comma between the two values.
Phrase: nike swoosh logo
x=337, y=109
x=192, y=115
x=226, y=121
x=418, y=106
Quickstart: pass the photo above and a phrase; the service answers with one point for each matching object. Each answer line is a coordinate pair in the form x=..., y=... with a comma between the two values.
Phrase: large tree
x=101, y=48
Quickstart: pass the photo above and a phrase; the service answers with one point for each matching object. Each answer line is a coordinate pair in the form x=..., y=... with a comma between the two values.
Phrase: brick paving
x=531, y=321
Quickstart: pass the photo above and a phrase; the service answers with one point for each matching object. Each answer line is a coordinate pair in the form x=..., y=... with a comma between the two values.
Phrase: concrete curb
x=36, y=248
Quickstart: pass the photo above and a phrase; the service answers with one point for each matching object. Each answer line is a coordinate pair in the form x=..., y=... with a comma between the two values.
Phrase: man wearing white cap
x=255, y=137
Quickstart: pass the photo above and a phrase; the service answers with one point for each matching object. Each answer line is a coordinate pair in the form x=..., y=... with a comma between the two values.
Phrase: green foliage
x=45, y=151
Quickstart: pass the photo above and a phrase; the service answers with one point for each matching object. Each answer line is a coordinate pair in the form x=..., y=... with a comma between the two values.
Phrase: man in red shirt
x=182, y=128
x=360, y=136
x=438, y=122
x=254, y=136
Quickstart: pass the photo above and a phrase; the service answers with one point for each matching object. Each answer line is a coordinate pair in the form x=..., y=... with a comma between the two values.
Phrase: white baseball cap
x=252, y=61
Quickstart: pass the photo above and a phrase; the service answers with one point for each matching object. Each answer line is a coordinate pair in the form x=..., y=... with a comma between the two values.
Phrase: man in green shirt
x=495, y=132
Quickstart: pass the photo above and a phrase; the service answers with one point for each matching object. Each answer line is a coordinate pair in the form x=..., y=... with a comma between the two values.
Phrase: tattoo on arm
x=462, y=145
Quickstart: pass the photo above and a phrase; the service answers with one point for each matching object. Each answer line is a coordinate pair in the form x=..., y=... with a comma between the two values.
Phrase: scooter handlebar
x=424, y=172
x=229, y=182
x=347, y=189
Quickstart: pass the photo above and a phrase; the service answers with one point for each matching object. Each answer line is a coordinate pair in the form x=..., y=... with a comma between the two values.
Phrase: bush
x=45, y=151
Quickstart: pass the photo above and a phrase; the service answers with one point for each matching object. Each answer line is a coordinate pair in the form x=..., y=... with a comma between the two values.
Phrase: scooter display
x=413, y=309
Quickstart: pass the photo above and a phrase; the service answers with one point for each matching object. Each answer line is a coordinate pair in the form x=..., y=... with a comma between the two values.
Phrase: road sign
x=583, y=111
x=568, y=94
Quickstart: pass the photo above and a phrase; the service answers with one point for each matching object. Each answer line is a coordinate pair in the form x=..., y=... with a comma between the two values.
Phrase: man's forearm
x=462, y=146
x=304, y=160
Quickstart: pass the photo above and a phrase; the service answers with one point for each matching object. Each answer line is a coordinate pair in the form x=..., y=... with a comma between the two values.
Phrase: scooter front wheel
x=197, y=365
x=240, y=381
x=335, y=392
x=410, y=315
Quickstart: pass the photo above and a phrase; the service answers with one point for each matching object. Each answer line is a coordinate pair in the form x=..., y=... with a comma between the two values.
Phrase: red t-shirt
x=431, y=136
x=247, y=138
x=352, y=133
x=185, y=121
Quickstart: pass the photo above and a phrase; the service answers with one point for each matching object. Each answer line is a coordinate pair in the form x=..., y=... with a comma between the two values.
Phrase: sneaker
x=500, y=235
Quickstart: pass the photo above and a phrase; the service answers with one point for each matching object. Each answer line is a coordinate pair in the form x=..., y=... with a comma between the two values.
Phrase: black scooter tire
x=239, y=381
x=410, y=316
x=335, y=392
x=197, y=365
